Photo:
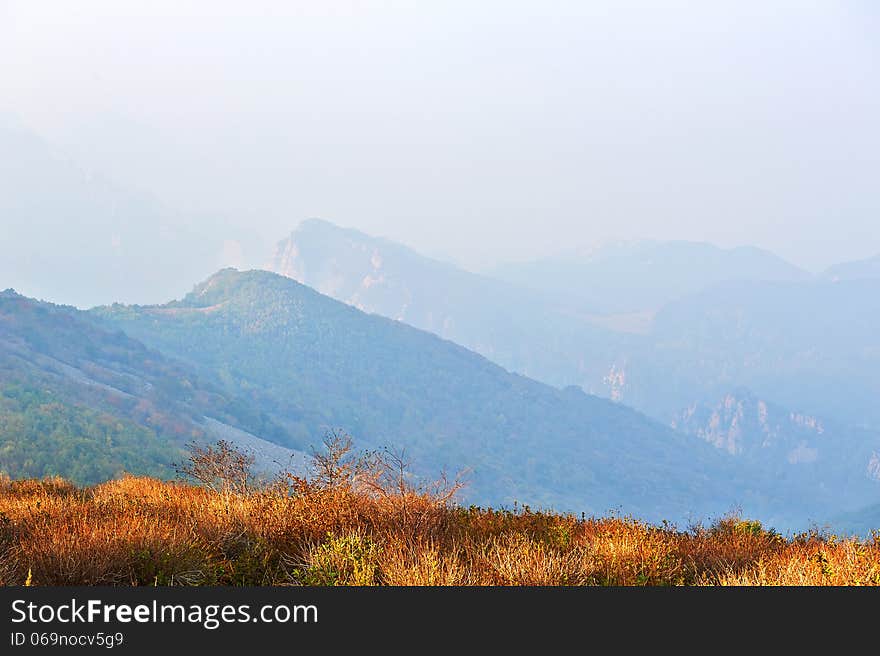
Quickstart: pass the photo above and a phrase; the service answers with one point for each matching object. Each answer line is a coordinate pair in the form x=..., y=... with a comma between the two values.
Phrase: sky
x=474, y=131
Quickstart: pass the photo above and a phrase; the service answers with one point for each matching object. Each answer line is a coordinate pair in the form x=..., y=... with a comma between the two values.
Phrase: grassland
x=143, y=531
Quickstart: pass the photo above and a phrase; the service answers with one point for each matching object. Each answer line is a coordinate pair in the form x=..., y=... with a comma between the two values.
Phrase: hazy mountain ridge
x=625, y=277
x=798, y=341
x=855, y=270
x=768, y=331
x=805, y=345
x=125, y=233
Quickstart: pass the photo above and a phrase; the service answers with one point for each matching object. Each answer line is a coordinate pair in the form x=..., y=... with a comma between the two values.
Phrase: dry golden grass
x=141, y=531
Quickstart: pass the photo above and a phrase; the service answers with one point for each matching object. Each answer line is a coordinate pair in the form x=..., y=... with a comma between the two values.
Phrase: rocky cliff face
x=787, y=444
x=742, y=423
x=371, y=274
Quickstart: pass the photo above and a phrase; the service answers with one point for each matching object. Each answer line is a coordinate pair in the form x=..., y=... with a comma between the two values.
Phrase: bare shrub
x=220, y=467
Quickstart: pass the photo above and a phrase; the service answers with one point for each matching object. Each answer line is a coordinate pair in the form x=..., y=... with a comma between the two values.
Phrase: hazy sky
x=483, y=130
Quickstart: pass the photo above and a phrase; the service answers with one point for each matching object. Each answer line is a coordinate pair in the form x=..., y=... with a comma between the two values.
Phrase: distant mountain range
x=757, y=380
x=643, y=276
x=809, y=346
x=271, y=363
x=521, y=330
x=792, y=357
x=856, y=270
x=739, y=318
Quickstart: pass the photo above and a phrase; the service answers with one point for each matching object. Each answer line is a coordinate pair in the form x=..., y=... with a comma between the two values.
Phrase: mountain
x=795, y=340
x=58, y=217
x=312, y=362
x=867, y=268
x=267, y=362
x=787, y=446
x=642, y=276
x=519, y=329
x=87, y=403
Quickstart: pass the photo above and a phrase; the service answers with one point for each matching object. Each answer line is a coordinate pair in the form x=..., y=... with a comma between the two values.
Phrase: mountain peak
x=229, y=283
x=857, y=269
x=316, y=227
x=349, y=265
x=316, y=223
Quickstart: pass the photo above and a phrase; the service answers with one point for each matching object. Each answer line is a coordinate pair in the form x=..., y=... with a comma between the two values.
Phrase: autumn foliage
x=361, y=521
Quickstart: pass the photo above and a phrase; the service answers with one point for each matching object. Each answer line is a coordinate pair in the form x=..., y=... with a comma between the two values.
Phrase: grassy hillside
x=87, y=403
x=312, y=362
x=140, y=531
x=41, y=435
